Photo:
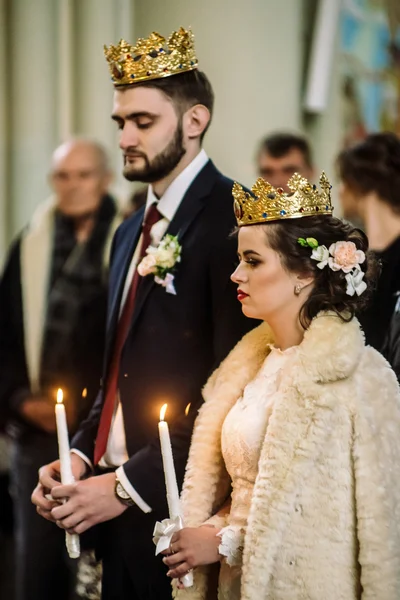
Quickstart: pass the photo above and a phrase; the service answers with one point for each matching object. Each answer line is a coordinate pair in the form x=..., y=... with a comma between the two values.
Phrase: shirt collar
x=173, y=195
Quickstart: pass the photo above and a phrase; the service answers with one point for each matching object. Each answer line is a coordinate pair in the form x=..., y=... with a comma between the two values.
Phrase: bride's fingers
x=173, y=548
x=179, y=571
x=174, y=559
x=175, y=538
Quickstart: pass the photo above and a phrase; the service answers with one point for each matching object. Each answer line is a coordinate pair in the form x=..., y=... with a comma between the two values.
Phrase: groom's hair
x=186, y=90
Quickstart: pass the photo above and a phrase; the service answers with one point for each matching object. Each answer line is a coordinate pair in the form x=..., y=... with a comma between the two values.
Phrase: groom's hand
x=89, y=502
x=49, y=479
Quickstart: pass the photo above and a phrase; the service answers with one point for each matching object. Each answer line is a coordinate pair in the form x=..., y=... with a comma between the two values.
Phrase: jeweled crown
x=151, y=58
x=265, y=203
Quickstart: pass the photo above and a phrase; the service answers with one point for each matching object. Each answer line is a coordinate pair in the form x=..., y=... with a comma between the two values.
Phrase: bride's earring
x=297, y=289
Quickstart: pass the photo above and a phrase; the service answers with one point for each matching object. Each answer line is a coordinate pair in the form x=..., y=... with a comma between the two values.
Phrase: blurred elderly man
x=282, y=154
x=52, y=324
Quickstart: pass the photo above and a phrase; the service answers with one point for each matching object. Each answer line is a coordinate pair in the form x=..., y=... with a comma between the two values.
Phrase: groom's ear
x=195, y=121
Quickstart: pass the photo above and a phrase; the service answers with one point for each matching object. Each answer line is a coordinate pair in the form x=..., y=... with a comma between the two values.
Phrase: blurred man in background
x=52, y=324
x=282, y=154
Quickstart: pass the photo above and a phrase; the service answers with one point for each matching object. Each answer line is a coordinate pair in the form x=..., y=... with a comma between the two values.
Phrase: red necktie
x=124, y=322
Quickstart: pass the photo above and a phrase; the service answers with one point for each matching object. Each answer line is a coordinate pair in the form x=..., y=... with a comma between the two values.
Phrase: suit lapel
x=122, y=263
x=192, y=203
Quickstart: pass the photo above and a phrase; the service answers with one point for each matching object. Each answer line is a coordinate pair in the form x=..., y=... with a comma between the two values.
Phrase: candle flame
x=163, y=411
x=84, y=393
x=60, y=396
x=187, y=409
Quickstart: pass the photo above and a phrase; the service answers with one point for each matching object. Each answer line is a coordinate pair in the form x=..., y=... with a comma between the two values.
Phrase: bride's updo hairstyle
x=330, y=287
x=299, y=226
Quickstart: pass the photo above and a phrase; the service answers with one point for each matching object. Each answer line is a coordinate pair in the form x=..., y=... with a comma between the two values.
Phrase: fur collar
x=330, y=351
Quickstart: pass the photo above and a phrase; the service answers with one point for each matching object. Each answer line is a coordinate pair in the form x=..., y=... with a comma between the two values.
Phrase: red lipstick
x=241, y=295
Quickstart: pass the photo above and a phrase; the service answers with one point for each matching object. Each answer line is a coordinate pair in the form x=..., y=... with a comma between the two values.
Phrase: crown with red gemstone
x=265, y=203
x=151, y=58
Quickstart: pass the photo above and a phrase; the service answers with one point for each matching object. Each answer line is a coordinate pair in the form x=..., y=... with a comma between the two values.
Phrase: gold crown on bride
x=266, y=203
x=151, y=58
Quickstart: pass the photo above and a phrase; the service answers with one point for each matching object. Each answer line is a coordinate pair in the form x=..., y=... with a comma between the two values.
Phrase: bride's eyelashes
x=253, y=262
x=248, y=260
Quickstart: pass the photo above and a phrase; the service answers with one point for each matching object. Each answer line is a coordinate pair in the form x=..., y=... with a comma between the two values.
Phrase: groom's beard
x=161, y=165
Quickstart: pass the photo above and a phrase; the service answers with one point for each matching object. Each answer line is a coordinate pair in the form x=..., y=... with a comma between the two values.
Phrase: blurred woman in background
x=370, y=196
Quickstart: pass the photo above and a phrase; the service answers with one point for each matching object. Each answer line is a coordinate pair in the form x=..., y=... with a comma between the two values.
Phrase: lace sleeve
x=232, y=544
x=232, y=538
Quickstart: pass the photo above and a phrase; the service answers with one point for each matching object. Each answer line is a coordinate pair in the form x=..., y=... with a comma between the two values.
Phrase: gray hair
x=90, y=143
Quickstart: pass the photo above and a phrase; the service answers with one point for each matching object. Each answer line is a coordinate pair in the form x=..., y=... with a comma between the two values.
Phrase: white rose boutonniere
x=161, y=262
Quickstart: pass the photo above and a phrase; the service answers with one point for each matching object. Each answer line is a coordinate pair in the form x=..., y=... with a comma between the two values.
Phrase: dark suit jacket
x=175, y=342
x=80, y=370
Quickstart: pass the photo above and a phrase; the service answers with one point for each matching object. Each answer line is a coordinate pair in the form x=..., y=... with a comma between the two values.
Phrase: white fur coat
x=324, y=522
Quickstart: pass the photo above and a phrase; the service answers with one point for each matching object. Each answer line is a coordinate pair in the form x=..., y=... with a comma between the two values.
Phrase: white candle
x=174, y=505
x=169, y=467
x=72, y=541
x=63, y=442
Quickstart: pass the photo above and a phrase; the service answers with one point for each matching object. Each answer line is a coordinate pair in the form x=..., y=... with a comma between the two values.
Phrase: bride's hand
x=192, y=547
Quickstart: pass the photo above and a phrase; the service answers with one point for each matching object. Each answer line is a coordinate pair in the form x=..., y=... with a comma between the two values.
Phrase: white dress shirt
x=116, y=453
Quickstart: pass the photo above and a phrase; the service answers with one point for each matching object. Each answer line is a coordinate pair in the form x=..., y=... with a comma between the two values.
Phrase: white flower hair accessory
x=341, y=256
x=161, y=261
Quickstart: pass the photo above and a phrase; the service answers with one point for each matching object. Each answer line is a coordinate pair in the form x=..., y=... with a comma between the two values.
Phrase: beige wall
x=32, y=103
x=326, y=134
x=54, y=82
x=251, y=52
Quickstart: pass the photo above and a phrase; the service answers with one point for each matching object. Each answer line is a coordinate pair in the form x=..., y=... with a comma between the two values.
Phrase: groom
x=163, y=341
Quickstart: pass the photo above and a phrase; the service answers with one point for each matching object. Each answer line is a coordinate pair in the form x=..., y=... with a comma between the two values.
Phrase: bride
x=293, y=481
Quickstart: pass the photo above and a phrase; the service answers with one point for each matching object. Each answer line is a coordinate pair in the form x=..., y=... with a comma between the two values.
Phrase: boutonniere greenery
x=161, y=262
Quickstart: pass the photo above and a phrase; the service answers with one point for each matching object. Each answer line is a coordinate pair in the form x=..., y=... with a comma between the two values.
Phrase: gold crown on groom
x=152, y=58
x=265, y=203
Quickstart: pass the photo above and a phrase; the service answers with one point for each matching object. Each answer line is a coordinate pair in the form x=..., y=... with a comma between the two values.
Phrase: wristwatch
x=122, y=494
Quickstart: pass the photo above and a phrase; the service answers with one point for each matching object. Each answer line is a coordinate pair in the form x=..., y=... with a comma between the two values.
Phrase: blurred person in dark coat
x=52, y=312
x=391, y=346
x=370, y=197
x=6, y=523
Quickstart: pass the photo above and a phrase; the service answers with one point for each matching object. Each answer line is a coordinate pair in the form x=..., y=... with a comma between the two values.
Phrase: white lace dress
x=243, y=432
